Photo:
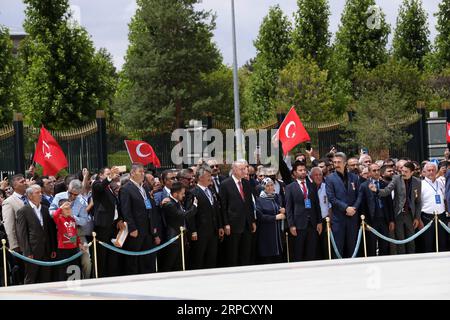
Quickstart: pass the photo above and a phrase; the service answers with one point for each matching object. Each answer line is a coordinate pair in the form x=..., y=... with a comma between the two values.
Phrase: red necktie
x=241, y=190
x=305, y=191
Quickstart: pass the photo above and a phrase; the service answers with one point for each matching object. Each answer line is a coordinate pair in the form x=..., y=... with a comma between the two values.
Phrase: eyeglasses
x=173, y=178
x=73, y=194
x=215, y=166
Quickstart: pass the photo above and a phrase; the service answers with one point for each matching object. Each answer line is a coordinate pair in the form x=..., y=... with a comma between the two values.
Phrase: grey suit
x=404, y=222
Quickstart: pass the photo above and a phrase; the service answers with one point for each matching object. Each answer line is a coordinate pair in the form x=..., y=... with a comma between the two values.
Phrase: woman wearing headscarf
x=270, y=217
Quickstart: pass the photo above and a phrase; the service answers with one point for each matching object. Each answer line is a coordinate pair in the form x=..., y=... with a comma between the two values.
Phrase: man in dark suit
x=342, y=192
x=206, y=227
x=407, y=204
x=303, y=214
x=238, y=215
x=137, y=209
x=107, y=220
x=379, y=212
x=176, y=216
x=36, y=236
x=216, y=177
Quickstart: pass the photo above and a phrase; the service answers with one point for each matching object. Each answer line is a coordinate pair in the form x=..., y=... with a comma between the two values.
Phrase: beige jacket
x=9, y=210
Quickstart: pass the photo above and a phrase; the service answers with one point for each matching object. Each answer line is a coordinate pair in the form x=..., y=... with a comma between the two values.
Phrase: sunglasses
x=215, y=166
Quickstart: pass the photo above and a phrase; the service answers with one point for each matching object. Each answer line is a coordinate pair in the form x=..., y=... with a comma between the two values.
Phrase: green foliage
x=381, y=117
x=8, y=94
x=394, y=74
x=168, y=61
x=362, y=36
x=442, y=42
x=411, y=35
x=273, y=47
x=304, y=85
x=63, y=79
x=311, y=36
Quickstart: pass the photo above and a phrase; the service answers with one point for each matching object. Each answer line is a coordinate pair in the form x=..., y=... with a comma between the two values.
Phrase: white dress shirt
x=325, y=205
x=37, y=212
x=429, y=191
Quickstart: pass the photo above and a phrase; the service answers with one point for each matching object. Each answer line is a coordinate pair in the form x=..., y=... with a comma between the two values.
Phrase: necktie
x=216, y=183
x=209, y=195
x=24, y=199
x=305, y=191
x=380, y=203
x=241, y=190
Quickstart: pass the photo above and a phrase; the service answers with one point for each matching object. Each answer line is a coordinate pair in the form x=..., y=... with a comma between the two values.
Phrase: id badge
x=148, y=204
x=308, y=203
x=438, y=198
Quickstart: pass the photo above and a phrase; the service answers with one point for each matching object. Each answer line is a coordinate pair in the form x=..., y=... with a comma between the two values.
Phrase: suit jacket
x=208, y=219
x=176, y=217
x=104, y=204
x=342, y=196
x=35, y=239
x=221, y=179
x=134, y=211
x=368, y=201
x=10, y=206
x=447, y=189
x=236, y=212
x=400, y=197
x=296, y=213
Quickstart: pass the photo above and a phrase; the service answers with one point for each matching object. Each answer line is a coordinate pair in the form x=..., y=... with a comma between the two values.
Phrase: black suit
x=207, y=221
x=105, y=204
x=377, y=216
x=139, y=218
x=37, y=241
x=175, y=217
x=239, y=214
x=306, y=243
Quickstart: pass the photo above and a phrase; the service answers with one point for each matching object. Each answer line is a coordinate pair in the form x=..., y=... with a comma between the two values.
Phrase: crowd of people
x=239, y=216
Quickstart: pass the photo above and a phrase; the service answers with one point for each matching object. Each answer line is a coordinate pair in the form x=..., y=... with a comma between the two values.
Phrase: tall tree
x=170, y=51
x=443, y=38
x=411, y=34
x=311, y=35
x=64, y=80
x=273, y=47
x=362, y=35
x=8, y=98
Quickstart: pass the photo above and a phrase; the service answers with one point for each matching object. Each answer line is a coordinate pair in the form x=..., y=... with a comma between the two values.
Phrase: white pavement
x=420, y=276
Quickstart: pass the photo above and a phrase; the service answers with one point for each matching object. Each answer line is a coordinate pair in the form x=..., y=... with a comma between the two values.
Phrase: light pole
x=237, y=115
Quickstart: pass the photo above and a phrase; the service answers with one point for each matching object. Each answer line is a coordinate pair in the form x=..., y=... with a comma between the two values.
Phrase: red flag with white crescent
x=49, y=154
x=291, y=131
x=142, y=152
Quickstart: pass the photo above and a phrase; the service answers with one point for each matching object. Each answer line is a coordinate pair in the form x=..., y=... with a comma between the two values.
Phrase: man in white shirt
x=433, y=195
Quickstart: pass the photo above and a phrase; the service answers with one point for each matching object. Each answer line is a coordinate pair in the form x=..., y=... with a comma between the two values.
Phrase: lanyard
x=435, y=189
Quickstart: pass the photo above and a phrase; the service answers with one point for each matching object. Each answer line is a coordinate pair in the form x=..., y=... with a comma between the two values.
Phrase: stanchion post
x=94, y=235
x=436, y=221
x=182, y=247
x=287, y=247
x=328, y=237
x=5, y=267
x=363, y=224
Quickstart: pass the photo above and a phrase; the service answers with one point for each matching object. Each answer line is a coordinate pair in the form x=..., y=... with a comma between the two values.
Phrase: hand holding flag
x=49, y=154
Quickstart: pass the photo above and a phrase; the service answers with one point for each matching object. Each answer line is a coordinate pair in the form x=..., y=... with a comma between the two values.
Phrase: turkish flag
x=291, y=131
x=49, y=154
x=142, y=152
x=448, y=132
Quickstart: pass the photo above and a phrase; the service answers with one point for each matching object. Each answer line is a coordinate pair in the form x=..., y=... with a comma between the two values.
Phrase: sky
x=107, y=21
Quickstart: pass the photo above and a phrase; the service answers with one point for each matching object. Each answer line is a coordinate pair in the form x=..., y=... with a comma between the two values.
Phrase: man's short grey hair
x=430, y=164
x=75, y=185
x=184, y=173
x=34, y=187
x=136, y=166
x=239, y=162
x=316, y=169
x=202, y=170
x=341, y=155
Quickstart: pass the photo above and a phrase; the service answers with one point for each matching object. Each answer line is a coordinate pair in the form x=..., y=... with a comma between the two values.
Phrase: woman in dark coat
x=270, y=218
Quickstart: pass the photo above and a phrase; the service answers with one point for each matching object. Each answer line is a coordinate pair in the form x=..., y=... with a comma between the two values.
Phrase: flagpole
x=237, y=115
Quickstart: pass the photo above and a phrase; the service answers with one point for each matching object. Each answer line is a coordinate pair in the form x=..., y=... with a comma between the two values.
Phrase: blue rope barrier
x=46, y=263
x=443, y=225
x=336, y=251
x=379, y=235
x=358, y=243
x=139, y=253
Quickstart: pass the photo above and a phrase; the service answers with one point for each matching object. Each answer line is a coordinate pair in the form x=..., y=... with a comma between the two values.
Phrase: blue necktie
x=380, y=203
x=24, y=199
